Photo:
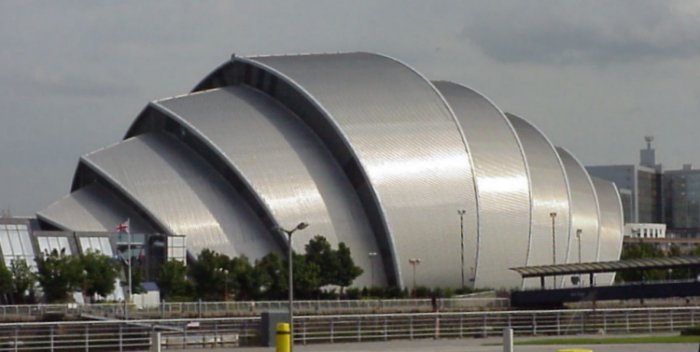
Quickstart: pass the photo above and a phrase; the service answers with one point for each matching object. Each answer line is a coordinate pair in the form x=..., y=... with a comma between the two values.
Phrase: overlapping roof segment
x=282, y=162
x=550, y=194
x=611, y=226
x=502, y=185
x=359, y=145
x=585, y=214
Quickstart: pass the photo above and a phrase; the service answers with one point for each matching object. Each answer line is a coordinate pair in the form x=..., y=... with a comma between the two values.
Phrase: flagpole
x=128, y=251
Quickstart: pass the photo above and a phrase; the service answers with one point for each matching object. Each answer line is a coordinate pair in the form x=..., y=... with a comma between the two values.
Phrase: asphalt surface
x=465, y=345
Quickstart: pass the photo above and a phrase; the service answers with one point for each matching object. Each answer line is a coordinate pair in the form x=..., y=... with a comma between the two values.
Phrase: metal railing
x=249, y=308
x=132, y=335
x=135, y=335
x=347, y=328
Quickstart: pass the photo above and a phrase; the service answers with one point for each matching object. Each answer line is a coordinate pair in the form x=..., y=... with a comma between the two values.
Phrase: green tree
x=100, y=274
x=208, y=274
x=58, y=275
x=23, y=280
x=641, y=250
x=270, y=277
x=6, y=284
x=320, y=252
x=347, y=271
x=240, y=278
x=173, y=283
x=338, y=266
x=136, y=279
x=306, y=277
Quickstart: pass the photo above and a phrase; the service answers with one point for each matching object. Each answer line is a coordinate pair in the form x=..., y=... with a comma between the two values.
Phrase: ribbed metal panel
x=386, y=122
x=92, y=208
x=285, y=165
x=503, y=190
x=584, y=213
x=611, y=226
x=182, y=193
x=550, y=194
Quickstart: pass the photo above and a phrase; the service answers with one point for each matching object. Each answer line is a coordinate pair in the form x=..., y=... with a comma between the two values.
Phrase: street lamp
x=414, y=262
x=225, y=272
x=290, y=253
x=372, y=255
x=578, y=238
x=461, y=213
x=553, y=215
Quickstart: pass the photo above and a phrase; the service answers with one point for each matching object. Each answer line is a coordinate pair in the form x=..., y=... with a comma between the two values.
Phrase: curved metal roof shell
x=397, y=141
x=362, y=147
x=611, y=226
x=184, y=194
x=502, y=186
x=550, y=193
x=282, y=162
x=584, y=213
x=92, y=208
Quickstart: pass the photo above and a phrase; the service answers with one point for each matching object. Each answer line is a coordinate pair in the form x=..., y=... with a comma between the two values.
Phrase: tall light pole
x=578, y=238
x=372, y=255
x=414, y=262
x=290, y=254
x=553, y=215
x=461, y=213
x=124, y=227
x=225, y=272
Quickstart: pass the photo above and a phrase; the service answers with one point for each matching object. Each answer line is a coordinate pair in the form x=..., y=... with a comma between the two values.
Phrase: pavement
x=465, y=345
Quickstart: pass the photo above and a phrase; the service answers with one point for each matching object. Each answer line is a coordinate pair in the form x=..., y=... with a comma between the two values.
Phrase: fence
x=347, y=328
x=238, y=308
x=134, y=335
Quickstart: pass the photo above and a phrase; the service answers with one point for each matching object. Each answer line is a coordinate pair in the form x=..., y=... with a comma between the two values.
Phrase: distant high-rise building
x=651, y=195
x=639, y=185
x=682, y=199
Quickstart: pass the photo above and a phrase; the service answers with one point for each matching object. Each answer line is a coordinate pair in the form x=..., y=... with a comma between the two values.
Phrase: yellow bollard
x=282, y=340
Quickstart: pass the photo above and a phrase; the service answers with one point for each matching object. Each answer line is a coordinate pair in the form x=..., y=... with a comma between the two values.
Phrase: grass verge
x=613, y=340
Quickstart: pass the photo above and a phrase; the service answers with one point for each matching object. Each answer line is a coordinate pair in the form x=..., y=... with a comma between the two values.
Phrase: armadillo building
x=367, y=151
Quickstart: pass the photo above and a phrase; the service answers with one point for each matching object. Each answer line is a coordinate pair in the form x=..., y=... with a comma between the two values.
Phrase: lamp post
x=461, y=213
x=553, y=215
x=578, y=239
x=372, y=255
x=290, y=254
x=414, y=262
x=225, y=272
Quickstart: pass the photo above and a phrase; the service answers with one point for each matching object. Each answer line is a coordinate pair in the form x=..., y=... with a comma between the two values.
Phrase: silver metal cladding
x=285, y=165
x=502, y=186
x=584, y=214
x=179, y=189
x=396, y=127
x=368, y=152
x=611, y=226
x=92, y=208
x=550, y=194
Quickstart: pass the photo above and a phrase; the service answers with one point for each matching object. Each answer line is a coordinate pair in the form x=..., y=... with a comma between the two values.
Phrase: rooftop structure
x=368, y=152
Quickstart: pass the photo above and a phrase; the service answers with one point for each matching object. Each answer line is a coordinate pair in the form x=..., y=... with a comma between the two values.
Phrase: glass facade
x=96, y=244
x=176, y=248
x=627, y=205
x=15, y=244
x=48, y=244
x=648, y=197
x=682, y=191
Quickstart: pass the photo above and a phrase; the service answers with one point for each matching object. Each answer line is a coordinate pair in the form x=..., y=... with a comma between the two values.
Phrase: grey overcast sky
x=595, y=76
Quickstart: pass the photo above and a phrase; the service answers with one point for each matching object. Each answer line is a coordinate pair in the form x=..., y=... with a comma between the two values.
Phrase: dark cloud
x=74, y=74
x=585, y=32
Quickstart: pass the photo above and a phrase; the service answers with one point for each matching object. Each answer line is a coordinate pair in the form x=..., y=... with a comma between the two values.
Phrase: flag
x=123, y=227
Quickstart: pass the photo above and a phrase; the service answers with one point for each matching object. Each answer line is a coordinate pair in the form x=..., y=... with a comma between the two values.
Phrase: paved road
x=464, y=345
